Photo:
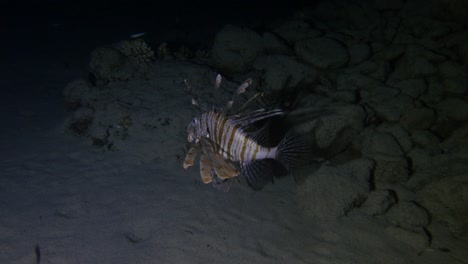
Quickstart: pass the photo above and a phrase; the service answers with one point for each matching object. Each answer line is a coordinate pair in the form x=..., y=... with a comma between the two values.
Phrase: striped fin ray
x=191, y=156
x=206, y=167
x=223, y=168
x=261, y=172
x=256, y=116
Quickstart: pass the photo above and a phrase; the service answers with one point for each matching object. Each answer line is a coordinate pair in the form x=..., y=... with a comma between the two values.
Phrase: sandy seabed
x=71, y=203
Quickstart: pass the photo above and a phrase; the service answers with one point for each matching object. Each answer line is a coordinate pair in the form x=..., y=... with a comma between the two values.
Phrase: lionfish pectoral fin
x=191, y=156
x=222, y=185
x=206, y=167
x=261, y=172
x=225, y=169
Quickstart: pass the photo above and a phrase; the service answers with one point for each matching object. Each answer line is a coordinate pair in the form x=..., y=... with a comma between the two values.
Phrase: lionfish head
x=194, y=130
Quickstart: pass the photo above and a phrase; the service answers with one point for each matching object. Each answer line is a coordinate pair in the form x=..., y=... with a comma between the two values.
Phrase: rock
x=412, y=87
x=417, y=118
x=417, y=62
x=349, y=184
x=366, y=67
x=414, y=68
x=344, y=96
x=392, y=108
x=382, y=5
x=457, y=143
x=457, y=41
x=391, y=52
x=108, y=123
x=452, y=70
x=399, y=133
x=108, y=65
x=428, y=169
x=323, y=53
x=334, y=129
x=408, y=215
x=81, y=120
x=378, y=94
x=391, y=169
x=421, y=160
x=389, y=29
x=437, y=256
x=435, y=91
x=273, y=45
x=235, y=49
x=447, y=199
x=341, y=16
x=373, y=143
x=444, y=127
x=284, y=71
x=312, y=102
x=457, y=87
x=454, y=76
x=382, y=73
x=74, y=91
x=453, y=108
x=453, y=10
x=355, y=81
x=358, y=52
x=378, y=202
x=427, y=141
x=417, y=240
x=295, y=30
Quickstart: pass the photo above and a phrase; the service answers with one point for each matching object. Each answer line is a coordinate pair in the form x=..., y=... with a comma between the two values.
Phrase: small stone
x=374, y=143
x=418, y=118
x=74, y=91
x=417, y=240
x=81, y=120
x=453, y=108
x=356, y=81
x=457, y=87
x=358, y=52
x=283, y=72
x=391, y=169
x=457, y=143
x=392, y=108
x=379, y=94
x=451, y=70
x=295, y=30
x=435, y=91
x=273, y=45
x=323, y=53
x=412, y=87
x=447, y=199
x=427, y=141
x=235, y=49
x=400, y=134
x=378, y=202
x=382, y=5
x=408, y=215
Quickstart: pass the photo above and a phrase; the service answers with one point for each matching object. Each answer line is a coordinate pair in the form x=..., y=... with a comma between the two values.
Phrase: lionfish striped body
x=227, y=150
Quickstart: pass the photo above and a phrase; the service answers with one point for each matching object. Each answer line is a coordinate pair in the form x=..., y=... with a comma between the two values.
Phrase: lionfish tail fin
x=259, y=173
x=294, y=151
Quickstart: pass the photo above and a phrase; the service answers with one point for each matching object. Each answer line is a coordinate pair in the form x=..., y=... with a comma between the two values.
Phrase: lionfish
x=228, y=148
